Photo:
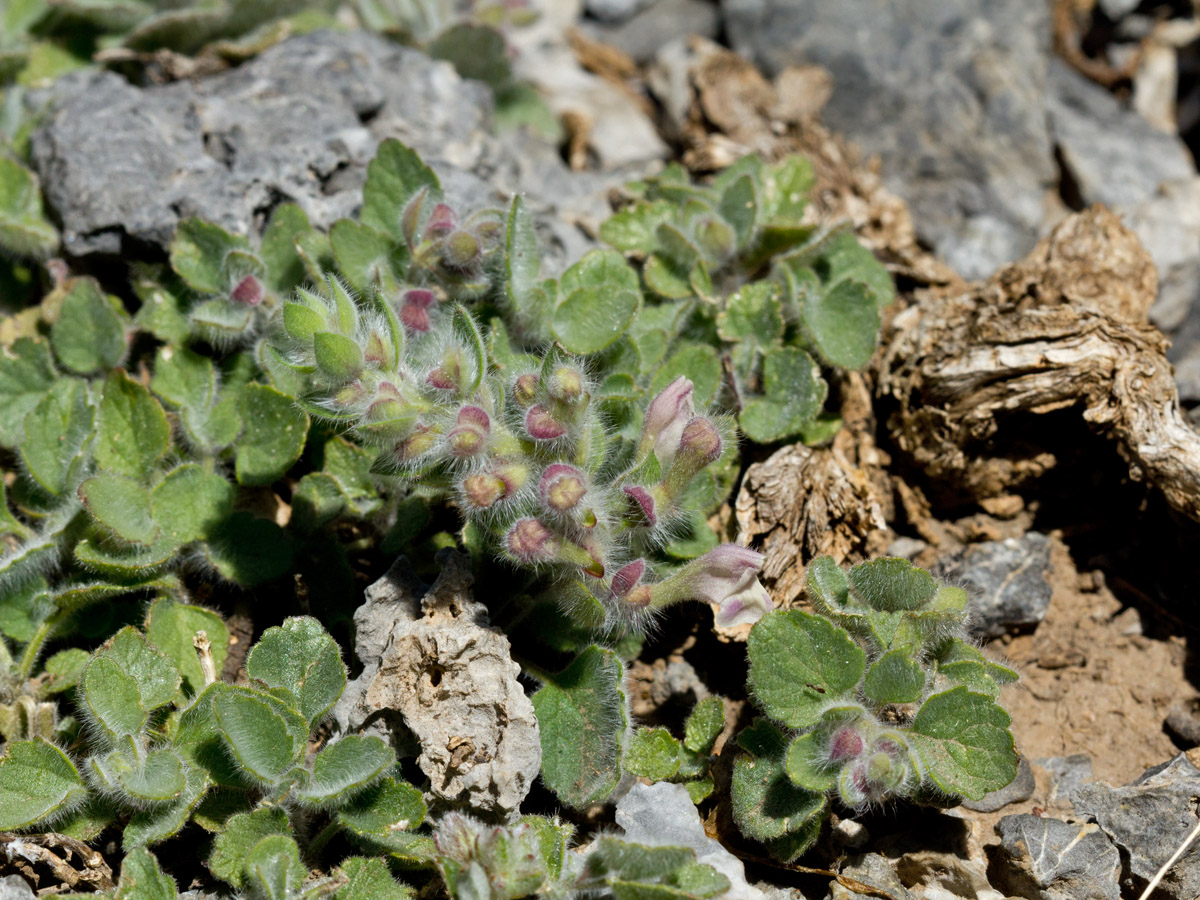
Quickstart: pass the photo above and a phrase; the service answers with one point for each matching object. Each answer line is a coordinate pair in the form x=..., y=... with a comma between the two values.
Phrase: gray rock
x=614, y=10
x=1009, y=582
x=1066, y=774
x=1149, y=819
x=121, y=165
x=297, y=123
x=1112, y=155
x=14, y=887
x=643, y=35
x=434, y=670
x=1183, y=721
x=1020, y=789
x=663, y=814
x=1049, y=859
x=949, y=95
x=1118, y=9
x=871, y=869
x=1168, y=225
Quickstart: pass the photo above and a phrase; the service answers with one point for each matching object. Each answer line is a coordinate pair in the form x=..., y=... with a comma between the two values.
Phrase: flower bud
x=644, y=503
x=448, y=376
x=414, y=309
x=845, y=743
x=249, y=291
x=627, y=578
x=699, y=445
x=379, y=350
x=417, y=445
x=514, y=475
x=562, y=487
x=529, y=541
x=483, y=491
x=525, y=389
x=442, y=221
x=410, y=217
x=665, y=419
x=470, y=433
x=566, y=384
x=541, y=425
x=460, y=250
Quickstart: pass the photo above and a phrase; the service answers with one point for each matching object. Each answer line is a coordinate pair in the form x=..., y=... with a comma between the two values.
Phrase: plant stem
x=33, y=649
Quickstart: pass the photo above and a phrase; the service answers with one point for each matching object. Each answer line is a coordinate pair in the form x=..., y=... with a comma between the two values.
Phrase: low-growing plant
x=738, y=267
x=658, y=755
x=877, y=695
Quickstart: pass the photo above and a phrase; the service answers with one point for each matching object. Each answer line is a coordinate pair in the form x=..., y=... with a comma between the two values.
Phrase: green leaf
x=121, y=504
x=393, y=177
x=199, y=254
x=132, y=563
x=132, y=433
x=799, y=663
x=467, y=330
x=266, y=739
x=338, y=357
x=37, y=780
x=242, y=833
x=89, y=333
x=652, y=753
x=302, y=659
x=62, y=670
x=843, y=322
x=27, y=602
x=739, y=207
x=699, y=362
x=26, y=375
x=159, y=779
x=190, y=503
x=112, y=699
x=895, y=678
x=964, y=740
x=273, y=868
x=56, y=434
x=754, y=315
x=793, y=395
x=521, y=260
x=599, y=296
x=197, y=739
x=161, y=313
x=24, y=230
x=348, y=766
x=274, y=436
x=302, y=322
x=369, y=879
x=803, y=764
x=367, y=257
x=155, y=674
x=786, y=186
x=384, y=808
x=766, y=805
x=892, y=584
x=285, y=268
x=142, y=879
x=476, y=51
x=172, y=626
x=582, y=717
x=221, y=320
x=635, y=228
x=704, y=725
x=249, y=551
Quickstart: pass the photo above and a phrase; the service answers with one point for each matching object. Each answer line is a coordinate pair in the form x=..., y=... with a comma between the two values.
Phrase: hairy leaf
x=303, y=660
x=581, y=715
x=799, y=663
x=37, y=780
x=964, y=740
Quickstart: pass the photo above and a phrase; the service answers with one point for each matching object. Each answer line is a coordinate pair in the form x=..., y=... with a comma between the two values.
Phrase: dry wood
x=1064, y=328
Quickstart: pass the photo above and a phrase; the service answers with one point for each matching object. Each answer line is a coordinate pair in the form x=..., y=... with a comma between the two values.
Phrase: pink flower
x=666, y=417
x=728, y=577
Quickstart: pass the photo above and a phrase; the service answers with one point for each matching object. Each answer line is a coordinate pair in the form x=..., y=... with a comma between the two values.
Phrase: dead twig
x=89, y=868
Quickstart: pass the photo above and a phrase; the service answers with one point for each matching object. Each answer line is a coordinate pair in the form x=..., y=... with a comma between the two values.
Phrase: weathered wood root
x=1064, y=328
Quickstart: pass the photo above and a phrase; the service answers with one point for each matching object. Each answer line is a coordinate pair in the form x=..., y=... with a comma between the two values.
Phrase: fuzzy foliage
x=733, y=266
x=877, y=695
